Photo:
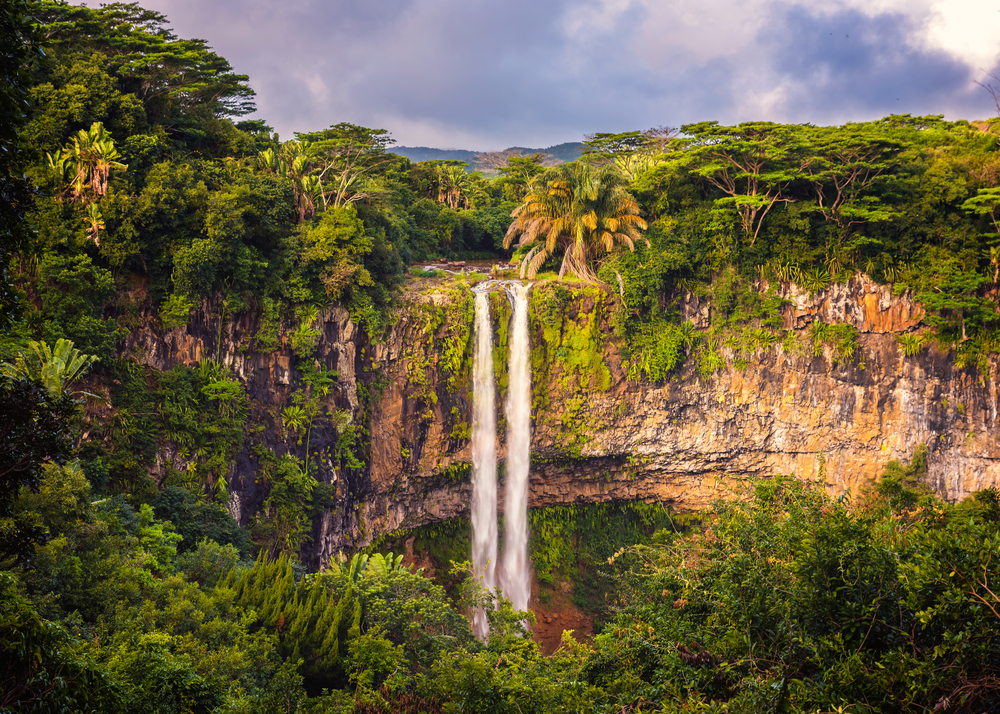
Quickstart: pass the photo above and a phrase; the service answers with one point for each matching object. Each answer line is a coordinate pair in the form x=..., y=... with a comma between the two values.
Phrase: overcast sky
x=487, y=74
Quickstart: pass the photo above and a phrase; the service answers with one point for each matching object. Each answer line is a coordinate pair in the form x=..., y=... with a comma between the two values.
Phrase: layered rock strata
x=596, y=434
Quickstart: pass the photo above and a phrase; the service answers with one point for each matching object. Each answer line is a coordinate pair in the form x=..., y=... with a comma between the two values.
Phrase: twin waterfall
x=514, y=573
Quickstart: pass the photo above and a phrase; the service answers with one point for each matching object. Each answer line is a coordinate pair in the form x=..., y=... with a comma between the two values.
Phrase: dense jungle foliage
x=133, y=184
x=779, y=598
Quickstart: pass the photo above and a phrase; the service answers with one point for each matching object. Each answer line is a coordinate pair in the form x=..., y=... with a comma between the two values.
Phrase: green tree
x=949, y=288
x=20, y=48
x=582, y=211
x=328, y=256
x=198, y=523
x=35, y=429
x=785, y=599
x=144, y=229
x=203, y=411
x=178, y=82
x=985, y=203
x=456, y=187
x=244, y=224
x=848, y=167
x=631, y=152
x=154, y=678
x=94, y=222
x=74, y=292
x=347, y=157
x=43, y=668
x=76, y=91
x=88, y=160
x=750, y=164
x=518, y=173
x=296, y=161
x=283, y=524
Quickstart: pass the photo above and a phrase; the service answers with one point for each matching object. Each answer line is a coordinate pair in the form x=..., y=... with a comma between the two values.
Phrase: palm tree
x=95, y=222
x=582, y=210
x=462, y=186
x=105, y=158
x=59, y=165
x=296, y=161
x=297, y=165
x=454, y=186
x=93, y=156
x=55, y=368
x=443, y=186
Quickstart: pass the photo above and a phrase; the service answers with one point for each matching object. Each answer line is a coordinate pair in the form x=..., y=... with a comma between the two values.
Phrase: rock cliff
x=788, y=408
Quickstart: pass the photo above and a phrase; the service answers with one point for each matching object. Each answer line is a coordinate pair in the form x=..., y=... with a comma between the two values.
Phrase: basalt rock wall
x=270, y=378
x=596, y=434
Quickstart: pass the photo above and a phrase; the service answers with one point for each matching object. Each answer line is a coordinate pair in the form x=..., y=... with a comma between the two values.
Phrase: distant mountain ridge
x=568, y=151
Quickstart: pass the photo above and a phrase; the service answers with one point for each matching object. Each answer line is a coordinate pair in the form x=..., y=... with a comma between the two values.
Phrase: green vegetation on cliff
x=906, y=200
x=136, y=197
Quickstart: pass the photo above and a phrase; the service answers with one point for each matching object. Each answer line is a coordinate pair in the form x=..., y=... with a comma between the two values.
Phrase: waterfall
x=484, y=457
x=515, y=575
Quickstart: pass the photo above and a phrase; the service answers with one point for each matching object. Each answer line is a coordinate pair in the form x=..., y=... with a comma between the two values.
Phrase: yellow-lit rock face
x=679, y=443
x=870, y=307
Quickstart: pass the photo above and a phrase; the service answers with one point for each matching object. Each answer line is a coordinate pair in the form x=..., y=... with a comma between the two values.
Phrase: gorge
x=598, y=436
x=712, y=408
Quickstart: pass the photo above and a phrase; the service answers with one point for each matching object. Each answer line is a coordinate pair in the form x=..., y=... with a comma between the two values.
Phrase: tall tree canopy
x=20, y=50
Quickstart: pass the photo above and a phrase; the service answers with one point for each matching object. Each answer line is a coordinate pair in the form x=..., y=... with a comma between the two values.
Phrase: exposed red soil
x=557, y=614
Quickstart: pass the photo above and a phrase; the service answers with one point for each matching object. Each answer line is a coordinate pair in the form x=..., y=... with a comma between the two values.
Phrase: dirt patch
x=421, y=561
x=556, y=614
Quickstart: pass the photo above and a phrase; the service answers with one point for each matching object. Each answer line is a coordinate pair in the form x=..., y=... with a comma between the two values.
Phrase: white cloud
x=969, y=29
x=318, y=89
x=678, y=32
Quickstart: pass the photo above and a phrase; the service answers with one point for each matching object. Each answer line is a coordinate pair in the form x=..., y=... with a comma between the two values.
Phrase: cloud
x=850, y=65
x=482, y=75
x=967, y=29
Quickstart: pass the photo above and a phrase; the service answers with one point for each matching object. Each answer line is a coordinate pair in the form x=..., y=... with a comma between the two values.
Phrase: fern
x=911, y=343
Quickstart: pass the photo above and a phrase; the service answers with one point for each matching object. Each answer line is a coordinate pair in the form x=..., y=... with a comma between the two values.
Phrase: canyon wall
x=598, y=435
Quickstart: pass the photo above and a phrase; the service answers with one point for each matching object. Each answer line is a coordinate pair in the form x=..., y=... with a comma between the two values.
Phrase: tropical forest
x=679, y=419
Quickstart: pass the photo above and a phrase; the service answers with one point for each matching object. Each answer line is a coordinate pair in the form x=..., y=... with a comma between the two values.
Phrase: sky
x=488, y=74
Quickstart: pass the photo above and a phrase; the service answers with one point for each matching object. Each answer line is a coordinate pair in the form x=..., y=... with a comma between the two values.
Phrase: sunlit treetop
x=167, y=74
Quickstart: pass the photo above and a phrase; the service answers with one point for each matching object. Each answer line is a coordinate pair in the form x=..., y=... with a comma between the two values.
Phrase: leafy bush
x=204, y=411
x=789, y=598
x=196, y=521
x=74, y=292
x=45, y=668
x=843, y=338
x=658, y=349
x=418, y=272
x=174, y=311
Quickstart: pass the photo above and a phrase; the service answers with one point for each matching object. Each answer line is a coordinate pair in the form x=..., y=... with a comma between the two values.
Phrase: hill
x=567, y=151
x=424, y=153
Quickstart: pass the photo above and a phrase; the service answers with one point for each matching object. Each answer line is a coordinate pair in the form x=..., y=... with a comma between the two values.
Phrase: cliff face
x=599, y=436
x=270, y=378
